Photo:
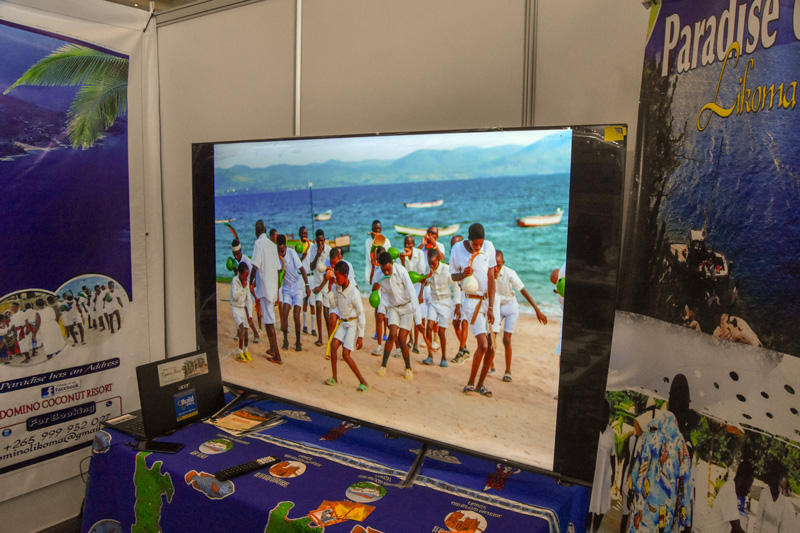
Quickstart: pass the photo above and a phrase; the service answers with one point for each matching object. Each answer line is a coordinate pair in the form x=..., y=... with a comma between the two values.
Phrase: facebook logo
x=48, y=392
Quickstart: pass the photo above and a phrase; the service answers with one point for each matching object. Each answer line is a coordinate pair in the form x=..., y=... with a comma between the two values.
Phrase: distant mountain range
x=550, y=155
x=24, y=124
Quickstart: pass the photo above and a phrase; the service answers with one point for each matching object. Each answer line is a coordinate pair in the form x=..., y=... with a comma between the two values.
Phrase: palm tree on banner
x=102, y=98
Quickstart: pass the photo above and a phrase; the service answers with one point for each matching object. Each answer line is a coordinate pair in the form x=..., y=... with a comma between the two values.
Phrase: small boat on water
x=541, y=220
x=418, y=205
x=698, y=259
x=420, y=232
x=224, y=221
x=325, y=215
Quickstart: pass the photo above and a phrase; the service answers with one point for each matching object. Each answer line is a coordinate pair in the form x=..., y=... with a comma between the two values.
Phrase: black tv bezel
x=596, y=198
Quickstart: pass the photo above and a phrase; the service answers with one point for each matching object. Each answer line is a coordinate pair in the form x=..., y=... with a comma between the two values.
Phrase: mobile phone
x=159, y=447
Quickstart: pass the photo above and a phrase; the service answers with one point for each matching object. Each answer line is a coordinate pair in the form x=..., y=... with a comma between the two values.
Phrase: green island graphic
x=150, y=485
x=280, y=523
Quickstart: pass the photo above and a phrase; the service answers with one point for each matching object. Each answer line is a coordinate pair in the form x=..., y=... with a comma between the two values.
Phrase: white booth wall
x=368, y=67
x=365, y=66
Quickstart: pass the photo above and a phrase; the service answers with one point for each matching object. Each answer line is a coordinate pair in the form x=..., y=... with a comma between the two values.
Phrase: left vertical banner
x=73, y=295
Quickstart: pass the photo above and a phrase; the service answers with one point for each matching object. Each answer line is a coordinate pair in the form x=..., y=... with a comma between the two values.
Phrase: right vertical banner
x=704, y=379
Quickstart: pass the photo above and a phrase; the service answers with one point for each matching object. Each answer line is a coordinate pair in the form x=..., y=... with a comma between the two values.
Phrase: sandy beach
x=517, y=423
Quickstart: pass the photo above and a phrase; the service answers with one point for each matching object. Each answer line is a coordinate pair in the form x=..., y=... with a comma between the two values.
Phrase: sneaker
x=435, y=345
x=256, y=340
x=375, y=337
x=382, y=371
x=298, y=347
x=428, y=361
x=485, y=392
x=247, y=355
x=409, y=374
x=458, y=359
x=362, y=388
x=384, y=337
x=398, y=353
x=305, y=329
x=466, y=356
x=443, y=364
x=285, y=345
x=378, y=351
x=313, y=333
x=241, y=357
x=414, y=350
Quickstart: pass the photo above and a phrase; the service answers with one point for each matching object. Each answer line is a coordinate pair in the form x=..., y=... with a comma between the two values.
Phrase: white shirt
x=351, y=277
x=415, y=263
x=440, y=283
x=348, y=302
x=774, y=516
x=239, y=292
x=460, y=257
x=504, y=285
x=312, y=253
x=292, y=263
x=18, y=320
x=265, y=258
x=725, y=509
x=368, y=269
x=398, y=289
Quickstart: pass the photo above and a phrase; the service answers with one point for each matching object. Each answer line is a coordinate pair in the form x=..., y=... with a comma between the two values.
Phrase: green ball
x=230, y=264
x=375, y=299
x=299, y=248
x=560, y=286
x=394, y=252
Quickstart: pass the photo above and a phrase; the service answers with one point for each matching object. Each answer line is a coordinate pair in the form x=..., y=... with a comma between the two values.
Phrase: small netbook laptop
x=172, y=393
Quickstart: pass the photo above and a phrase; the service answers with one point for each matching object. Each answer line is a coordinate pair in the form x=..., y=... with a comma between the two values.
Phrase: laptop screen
x=179, y=390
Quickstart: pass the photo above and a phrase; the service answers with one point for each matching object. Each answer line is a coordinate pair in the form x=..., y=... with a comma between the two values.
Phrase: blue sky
x=389, y=147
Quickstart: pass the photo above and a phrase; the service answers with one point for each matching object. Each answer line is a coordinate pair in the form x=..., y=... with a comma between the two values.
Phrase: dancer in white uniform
x=474, y=258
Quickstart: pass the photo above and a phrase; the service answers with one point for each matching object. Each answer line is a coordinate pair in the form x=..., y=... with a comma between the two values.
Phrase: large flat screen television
x=549, y=199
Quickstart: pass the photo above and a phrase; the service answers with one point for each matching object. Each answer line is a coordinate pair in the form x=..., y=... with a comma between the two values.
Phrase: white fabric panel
x=224, y=76
x=735, y=383
x=120, y=29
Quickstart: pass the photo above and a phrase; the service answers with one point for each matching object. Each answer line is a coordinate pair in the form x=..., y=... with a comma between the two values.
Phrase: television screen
x=549, y=204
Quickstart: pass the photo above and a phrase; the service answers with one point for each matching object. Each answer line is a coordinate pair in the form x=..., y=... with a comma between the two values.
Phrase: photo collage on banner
x=704, y=414
x=69, y=322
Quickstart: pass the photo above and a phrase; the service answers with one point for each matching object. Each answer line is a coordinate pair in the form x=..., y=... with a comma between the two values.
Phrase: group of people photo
x=35, y=325
x=416, y=295
x=663, y=467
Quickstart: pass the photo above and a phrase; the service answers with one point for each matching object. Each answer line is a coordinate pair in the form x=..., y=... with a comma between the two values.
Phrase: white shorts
x=509, y=313
x=267, y=311
x=292, y=296
x=440, y=311
x=481, y=324
x=312, y=299
x=239, y=316
x=347, y=333
x=402, y=317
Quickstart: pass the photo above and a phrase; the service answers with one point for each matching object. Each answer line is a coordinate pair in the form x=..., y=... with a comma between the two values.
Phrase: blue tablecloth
x=341, y=474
